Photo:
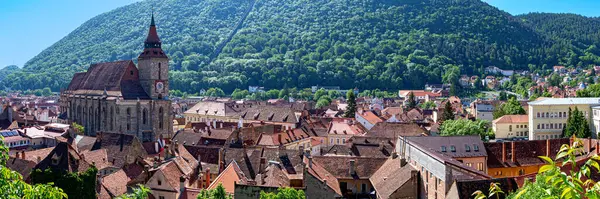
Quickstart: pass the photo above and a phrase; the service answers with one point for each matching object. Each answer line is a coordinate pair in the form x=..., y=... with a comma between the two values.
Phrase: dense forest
x=368, y=44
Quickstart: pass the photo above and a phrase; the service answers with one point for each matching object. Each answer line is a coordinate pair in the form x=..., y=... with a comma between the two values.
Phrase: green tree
x=552, y=183
x=79, y=129
x=427, y=105
x=577, y=125
x=284, y=193
x=464, y=127
x=46, y=91
x=412, y=102
x=13, y=186
x=334, y=94
x=319, y=93
x=511, y=107
x=448, y=113
x=216, y=193
x=214, y=92
x=239, y=94
x=502, y=96
x=351, y=108
x=140, y=192
x=323, y=102
x=80, y=185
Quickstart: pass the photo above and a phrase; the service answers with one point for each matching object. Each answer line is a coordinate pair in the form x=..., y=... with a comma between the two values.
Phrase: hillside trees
x=355, y=43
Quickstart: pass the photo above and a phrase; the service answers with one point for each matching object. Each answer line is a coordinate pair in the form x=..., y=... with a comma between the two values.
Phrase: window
x=343, y=140
x=131, y=72
x=469, y=164
x=331, y=141
x=538, y=127
x=128, y=119
x=452, y=148
x=467, y=148
x=159, y=182
x=480, y=166
x=560, y=114
x=159, y=71
x=161, y=197
x=547, y=114
x=475, y=148
x=538, y=115
x=510, y=128
x=337, y=141
x=443, y=148
x=144, y=116
x=160, y=118
x=521, y=172
x=363, y=187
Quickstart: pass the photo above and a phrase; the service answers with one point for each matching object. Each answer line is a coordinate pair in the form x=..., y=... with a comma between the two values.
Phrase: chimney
x=214, y=124
x=207, y=174
x=381, y=145
x=181, y=184
x=548, y=148
x=503, y=152
x=147, y=171
x=310, y=162
x=221, y=163
x=512, y=151
x=352, y=167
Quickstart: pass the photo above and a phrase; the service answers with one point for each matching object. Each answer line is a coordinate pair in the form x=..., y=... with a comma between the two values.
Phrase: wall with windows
x=510, y=130
x=547, y=121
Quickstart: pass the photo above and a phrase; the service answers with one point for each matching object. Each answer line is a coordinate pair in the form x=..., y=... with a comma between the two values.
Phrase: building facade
x=122, y=98
x=547, y=117
x=511, y=126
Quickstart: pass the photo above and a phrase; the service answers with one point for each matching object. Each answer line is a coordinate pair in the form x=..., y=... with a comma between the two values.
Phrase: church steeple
x=152, y=45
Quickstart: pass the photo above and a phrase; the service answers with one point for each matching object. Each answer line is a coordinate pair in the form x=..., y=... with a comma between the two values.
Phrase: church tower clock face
x=159, y=86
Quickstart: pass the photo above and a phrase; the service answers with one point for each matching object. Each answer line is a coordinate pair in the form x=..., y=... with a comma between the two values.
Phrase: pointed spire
x=152, y=22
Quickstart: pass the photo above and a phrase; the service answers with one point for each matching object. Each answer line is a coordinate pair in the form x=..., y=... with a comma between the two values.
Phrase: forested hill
x=386, y=44
x=570, y=32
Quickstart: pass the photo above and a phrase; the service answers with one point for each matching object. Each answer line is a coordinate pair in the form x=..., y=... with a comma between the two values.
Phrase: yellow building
x=511, y=126
x=548, y=116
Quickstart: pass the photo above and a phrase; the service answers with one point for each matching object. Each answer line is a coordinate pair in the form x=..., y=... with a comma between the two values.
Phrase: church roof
x=110, y=76
x=152, y=45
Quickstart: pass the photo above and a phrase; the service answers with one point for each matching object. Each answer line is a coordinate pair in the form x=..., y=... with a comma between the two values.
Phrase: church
x=119, y=97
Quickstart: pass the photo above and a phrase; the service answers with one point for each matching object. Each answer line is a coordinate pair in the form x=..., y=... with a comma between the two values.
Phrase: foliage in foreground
x=141, y=192
x=284, y=193
x=216, y=193
x=464, y=127
x=12, y=185
x=552, y=183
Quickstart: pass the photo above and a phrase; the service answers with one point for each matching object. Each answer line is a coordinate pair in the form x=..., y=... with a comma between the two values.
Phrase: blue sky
x=30, y=26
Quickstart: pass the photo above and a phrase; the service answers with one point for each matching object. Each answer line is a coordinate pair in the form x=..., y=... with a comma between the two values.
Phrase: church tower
x=153, y=66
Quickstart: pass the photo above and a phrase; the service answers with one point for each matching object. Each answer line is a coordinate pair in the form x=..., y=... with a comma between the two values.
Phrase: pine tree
x=448, y=113
x=577, y=125
x=412, y=102
x=351, y=108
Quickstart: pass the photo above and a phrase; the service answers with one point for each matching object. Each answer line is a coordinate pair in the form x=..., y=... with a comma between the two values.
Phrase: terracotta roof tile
x=506, y=119
x=97, y=158
x=116, y=183
x=390, y=177
x=340, y=166
x=392, y=130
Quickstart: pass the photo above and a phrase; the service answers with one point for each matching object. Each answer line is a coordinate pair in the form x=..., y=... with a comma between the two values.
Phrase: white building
x=548, y=116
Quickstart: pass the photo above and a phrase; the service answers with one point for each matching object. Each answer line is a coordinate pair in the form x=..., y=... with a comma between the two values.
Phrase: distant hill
x=386, y=44
x=7, y=70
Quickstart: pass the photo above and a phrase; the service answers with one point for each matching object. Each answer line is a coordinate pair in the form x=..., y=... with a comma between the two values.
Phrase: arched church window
x=159, y=70
x=160, y=118
x=144, y=116
x=128, y=119
x=112, y=116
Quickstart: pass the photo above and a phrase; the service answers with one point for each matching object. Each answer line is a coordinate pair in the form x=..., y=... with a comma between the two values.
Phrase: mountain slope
x=386, y=44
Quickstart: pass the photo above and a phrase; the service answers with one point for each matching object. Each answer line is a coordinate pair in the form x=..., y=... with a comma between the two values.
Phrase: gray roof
x=566, y=101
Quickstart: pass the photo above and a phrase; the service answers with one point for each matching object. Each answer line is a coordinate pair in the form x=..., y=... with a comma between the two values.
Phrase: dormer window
x=131, y=72
x=443, y=148
x=159, y=182
x=453, y=148
x=475, y=148
x=467, y=148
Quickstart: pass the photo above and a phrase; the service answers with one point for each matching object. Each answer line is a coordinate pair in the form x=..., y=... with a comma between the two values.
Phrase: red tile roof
x=509, y=119
x=116, y=183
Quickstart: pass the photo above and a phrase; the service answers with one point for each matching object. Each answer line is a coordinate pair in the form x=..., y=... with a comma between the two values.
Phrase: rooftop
x=565, y=101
